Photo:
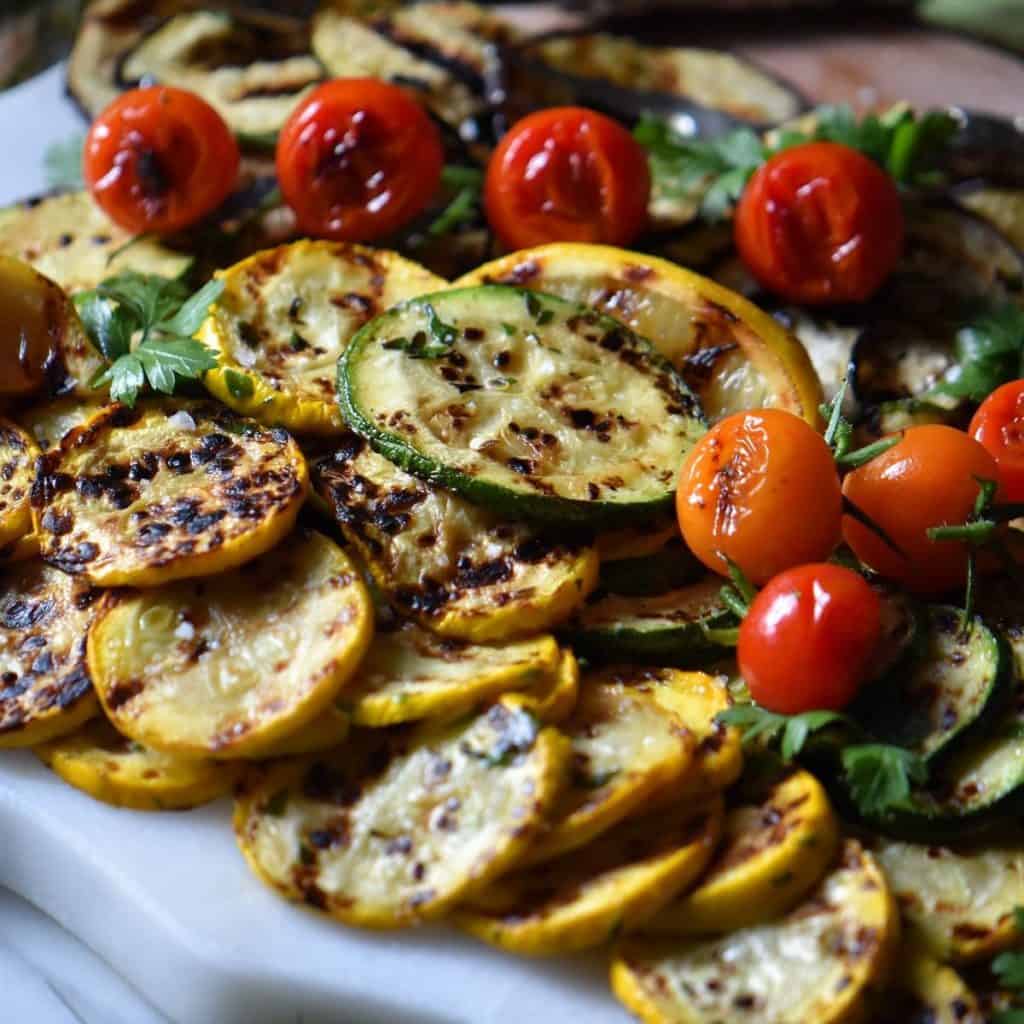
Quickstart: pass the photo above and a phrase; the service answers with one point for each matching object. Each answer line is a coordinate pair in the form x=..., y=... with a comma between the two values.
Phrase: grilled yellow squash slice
x=71, y=240
x=627, y=744
x=820, y=963
x=49, y=422
x=773, y=854
x=17, y=471
x=553, y=702
x=111, y=768
x=20, y=550
x=410, y=673
x=733, y=355
x=959, y=902
x=927, y=992
x=285, y=316
x=400, y=826
x=614, y=884
x=328, y=730
x=141, y=497
x=45, y=689
x=462, y=570
x=227, y=667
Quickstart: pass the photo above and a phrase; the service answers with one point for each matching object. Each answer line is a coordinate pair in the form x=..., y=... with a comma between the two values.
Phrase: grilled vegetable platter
x=557, y=486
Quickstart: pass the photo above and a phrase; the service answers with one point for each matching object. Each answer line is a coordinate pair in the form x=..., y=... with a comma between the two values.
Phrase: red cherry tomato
x=930, y=478
x=761, y=489
x=159, y=159
x=998, y=426
x=357, y=159
x=567, y=175
x=808, y=639
x=820, y=223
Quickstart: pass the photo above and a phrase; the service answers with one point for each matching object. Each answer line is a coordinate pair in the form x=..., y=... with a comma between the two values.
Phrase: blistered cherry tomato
x=567, y=174
x=760, y=489
x=358, y=159
x=820, y=223
x=998, y=426
x=808, y=639
x=159, y=159
x=929, y=478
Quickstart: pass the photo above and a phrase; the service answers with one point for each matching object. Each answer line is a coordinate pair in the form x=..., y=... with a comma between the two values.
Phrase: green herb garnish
x=62, y=163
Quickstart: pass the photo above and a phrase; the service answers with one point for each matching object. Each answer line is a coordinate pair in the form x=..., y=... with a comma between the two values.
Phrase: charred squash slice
x=17, y=472
x=45, y=690
x=287, y=314
x=400, y=826
x=820, y=963
x=115, y=770
x=230, y=666
x=49, y=422
x=163, y=492
x=461, y=570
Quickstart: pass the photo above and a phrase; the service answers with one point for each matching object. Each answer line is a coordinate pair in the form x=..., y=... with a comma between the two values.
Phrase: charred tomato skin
x=358, y=159
x=761, y=490
x=567, y=174
x=820, y=223
x=159, y=159
x=808, y=639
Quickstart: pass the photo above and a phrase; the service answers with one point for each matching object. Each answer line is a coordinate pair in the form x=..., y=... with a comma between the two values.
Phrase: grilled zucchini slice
x=532, y=405
x=773, y=854
x=628, y=743
x=17, y=471
x=1003, y=208
x=614, y=885
x=461, y=570
x=115, y=770
x=70, y=240
x=45, y=690
x=629, y=542
x=49, y=422
x=960, y=902
x=410, y=673
x=139, y=497
x=946, y=695
x=671, y=567
x=662, y=629
x=226, y=667
x=731, y=354
x=285, y=316
x=399, y=827
x=252, y=70
x=820, y=963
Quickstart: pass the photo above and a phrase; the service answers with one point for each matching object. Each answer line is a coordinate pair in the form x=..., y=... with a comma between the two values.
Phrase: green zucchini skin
x=517, y=502
x=672, y=567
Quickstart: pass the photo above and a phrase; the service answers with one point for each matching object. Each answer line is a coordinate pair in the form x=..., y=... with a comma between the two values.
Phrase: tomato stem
x=723, y=637
x=978, y=532
x=860, y=456
x=732, y=600
x=746, y=590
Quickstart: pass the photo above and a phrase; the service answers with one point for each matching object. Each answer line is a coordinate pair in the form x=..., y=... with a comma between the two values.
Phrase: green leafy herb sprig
x=62, y=163
x=908, y=146
x=467, y=183
x=143, y=326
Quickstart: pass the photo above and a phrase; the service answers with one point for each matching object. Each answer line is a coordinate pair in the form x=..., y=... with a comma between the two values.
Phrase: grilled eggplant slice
x=229, y=666
x=952, y=691
x=614, y=885
x=773, y=854
x=399, y=827
x=461, y=570
x=139, y=497
x=820, y=963
x=253, y=70
x=410, y=673
x=662, y=629
x=532, y=405
x=17, y=472
x=115, y=770
x=628, y=742
x=731, y=354
x=71, y=241
x=627, y=78
x=285, y=316
x=44, y=617
x=959, y=902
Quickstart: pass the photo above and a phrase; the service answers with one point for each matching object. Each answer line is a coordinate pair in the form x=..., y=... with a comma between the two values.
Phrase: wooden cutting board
x=866, y=61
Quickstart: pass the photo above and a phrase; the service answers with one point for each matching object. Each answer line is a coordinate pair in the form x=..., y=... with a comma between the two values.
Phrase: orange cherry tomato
x=567, y=174
x=998, y=426
x=159, y=159
x=358, y=159
x=762, y=490
x=820, y=223
x=929, y=478
x=808, y=640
